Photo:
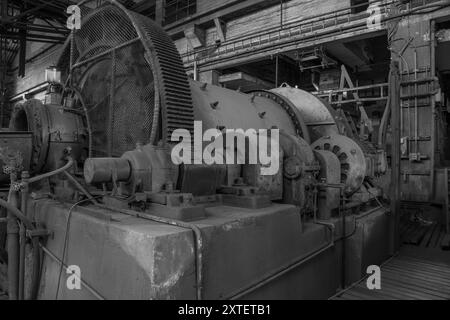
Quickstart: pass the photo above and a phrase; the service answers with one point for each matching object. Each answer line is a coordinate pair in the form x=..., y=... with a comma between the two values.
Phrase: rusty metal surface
x=54, y=129
x=218, y=107
x=351, y=157
x=406, y=278
x=131, y=77
x=330, y=173
x=319, y=118
x=291, y=109
x=15, y=146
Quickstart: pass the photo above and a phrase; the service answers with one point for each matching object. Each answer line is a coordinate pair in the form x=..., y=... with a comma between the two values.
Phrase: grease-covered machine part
x=131, y=77
x=351, y=157
x=155, y=229
x=320, y=119
x=222, y=108
x=54, y=128
x=329, y=197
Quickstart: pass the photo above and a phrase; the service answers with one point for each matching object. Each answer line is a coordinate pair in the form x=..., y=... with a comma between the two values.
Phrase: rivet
x=214, y=105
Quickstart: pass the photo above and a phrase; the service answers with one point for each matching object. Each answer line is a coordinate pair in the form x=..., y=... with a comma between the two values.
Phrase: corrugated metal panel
x=406, y=278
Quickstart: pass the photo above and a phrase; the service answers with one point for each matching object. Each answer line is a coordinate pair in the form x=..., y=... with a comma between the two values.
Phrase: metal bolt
x=214, y=105
x=262, y=114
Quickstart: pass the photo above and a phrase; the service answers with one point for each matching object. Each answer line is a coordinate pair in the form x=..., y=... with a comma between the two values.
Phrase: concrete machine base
x=123, y=257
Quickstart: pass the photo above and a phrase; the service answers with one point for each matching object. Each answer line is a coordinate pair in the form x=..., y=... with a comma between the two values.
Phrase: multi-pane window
x=175, y=10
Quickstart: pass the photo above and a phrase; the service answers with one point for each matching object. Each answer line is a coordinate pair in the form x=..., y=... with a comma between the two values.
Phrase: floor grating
x=424, y=235
x=406, y=277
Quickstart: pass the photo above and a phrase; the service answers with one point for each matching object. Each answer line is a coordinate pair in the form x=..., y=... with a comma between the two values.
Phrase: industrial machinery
x=106, y=197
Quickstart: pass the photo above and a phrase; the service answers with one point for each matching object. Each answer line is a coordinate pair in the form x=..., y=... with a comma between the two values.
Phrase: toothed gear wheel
x=131, y=78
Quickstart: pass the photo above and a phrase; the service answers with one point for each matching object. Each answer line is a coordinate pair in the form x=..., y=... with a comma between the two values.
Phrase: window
x=175, y=10
x=359, y=5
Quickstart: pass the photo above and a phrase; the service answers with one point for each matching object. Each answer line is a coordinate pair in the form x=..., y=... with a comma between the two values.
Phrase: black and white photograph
x=224, y=155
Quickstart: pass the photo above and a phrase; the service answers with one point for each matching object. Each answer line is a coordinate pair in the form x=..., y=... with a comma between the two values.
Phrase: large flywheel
x=129, y=78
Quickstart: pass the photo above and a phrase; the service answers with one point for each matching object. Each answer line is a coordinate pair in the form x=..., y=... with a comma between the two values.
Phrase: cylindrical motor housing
x=54, y=129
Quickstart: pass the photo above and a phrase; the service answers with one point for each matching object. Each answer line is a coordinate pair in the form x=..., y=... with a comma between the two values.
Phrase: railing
x=313, y=28
x=369, y=93
x=293, y=30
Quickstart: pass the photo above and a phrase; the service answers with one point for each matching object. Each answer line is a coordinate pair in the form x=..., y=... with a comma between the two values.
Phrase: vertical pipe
x=394, y=87
x=13, y=246
x=72, y=56
x=433, y=107
x=344, y=242
x=416, y=107
x=195, y=70
x=22, y=243
x=402, y=121
x=23, y=239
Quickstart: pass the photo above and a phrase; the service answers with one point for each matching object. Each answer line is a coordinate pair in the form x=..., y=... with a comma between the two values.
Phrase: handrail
x=293, y=24
x=248, y=41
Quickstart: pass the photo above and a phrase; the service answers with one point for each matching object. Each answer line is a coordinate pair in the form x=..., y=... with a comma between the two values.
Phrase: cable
x=86, y=285
x=66, y=238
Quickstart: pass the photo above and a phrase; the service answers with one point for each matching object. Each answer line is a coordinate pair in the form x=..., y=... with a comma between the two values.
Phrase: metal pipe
x=54, y=258
x=13, y=242
x=433, y=106
x=22, y=248
x=80, y=187
x=396, y=159
x=68, y=165
x=36, y=271
x=23, y=238
x=16, y=213
x=416, y=109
